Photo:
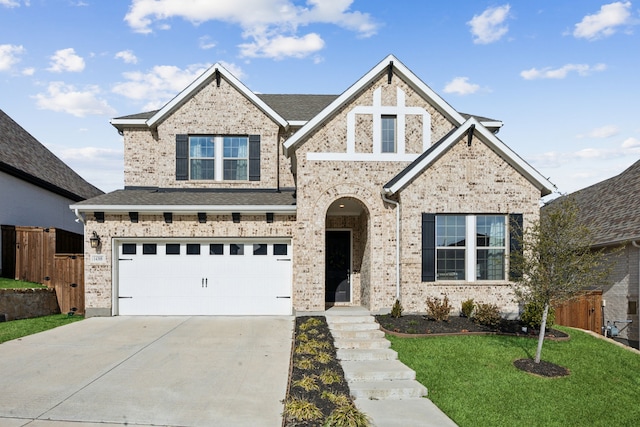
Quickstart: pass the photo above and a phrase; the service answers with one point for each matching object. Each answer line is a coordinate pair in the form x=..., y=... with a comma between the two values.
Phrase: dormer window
x=389, y=124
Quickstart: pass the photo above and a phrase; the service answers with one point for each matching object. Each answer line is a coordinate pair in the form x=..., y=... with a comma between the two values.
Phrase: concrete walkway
x=144, y=371
x=384, y=388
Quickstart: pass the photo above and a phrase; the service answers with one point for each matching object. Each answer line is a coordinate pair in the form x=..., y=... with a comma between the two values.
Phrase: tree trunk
x=543, y=327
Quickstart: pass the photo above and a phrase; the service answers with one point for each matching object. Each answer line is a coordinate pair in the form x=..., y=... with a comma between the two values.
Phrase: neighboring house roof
x=211, y=74
x=434, y=152
x=23, y=156
x=610, y=208
x=217, y=201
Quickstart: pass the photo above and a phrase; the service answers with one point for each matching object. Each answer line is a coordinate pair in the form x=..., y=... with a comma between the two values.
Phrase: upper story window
x=201, y=157
x=236, y=158
x=217, y=158
x=389, y=124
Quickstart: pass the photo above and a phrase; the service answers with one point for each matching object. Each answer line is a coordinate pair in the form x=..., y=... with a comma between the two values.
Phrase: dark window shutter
x=428, y=247
x=254, y=157
x=182, y=157
x=515, y=244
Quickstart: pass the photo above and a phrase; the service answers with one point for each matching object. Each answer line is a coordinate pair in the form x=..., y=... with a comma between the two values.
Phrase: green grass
x=18, y=284
x=20, y=328
x=473, y=380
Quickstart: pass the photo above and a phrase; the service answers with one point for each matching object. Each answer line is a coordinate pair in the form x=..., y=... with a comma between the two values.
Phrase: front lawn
x=18, y=284
x=473, y=380
x=20, y=328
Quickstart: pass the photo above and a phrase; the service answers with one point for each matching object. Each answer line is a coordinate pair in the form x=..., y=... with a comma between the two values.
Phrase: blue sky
x=562, y=75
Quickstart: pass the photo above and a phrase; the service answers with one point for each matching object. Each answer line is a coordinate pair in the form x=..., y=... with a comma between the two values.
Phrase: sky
x=563, y=75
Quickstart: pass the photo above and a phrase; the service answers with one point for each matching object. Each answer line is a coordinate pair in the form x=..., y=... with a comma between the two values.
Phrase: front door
x=338, y=266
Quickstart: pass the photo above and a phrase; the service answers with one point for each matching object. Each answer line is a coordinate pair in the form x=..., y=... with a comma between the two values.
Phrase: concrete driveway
x=143, y=371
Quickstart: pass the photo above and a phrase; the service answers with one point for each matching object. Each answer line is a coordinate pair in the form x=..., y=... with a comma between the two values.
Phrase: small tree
x=556, y=261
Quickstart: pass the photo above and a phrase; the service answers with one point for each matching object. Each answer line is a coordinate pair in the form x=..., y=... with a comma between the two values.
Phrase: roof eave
x=187, y=209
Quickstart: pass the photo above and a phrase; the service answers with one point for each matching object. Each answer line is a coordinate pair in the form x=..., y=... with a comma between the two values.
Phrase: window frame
x=225, y=158
x=249, y=161
x=384, y=131
x=201, y=158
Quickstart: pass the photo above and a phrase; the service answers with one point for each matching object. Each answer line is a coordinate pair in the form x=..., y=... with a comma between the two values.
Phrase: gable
x=389, y=69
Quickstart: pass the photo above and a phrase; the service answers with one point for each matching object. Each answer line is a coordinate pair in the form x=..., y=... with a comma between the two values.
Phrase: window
x=450, y=247
x=468, y=247
x=279, y=249
x=216, y=249
x=259, y=249
x=128, y=249
x=388, y=134
x=149, y=249
x=236, y=158
x=490, y=243
x=201, y=157
x=193, y=248
x=236, y=249
x=172, y=249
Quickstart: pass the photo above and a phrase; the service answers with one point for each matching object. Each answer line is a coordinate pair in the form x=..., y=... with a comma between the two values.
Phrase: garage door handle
x=125, y=259
x=284, y=297
x=283, y=259
x=125, y=297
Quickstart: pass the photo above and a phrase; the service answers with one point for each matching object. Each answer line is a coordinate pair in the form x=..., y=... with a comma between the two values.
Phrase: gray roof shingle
x=23, y=156
x=610, y=208
x=297, y=107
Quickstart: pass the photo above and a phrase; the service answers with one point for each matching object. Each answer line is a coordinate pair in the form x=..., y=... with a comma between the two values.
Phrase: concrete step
x=404, y=413
x=345, y=354
x=377, y=370
x=387, y=390
x=362, y=343
x=367, y=334
x=350, y=319
x=358, y=326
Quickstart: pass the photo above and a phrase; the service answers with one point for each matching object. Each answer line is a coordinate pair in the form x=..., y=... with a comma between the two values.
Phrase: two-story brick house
x=244, y=203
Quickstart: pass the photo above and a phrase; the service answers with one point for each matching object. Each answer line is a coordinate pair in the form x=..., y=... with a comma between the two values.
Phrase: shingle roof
x=188, y=200
x=610, y=208
x=298, y=107
x=24, y=157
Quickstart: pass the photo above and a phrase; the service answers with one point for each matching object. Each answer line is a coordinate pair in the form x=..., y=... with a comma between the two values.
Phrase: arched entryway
x=347, y=257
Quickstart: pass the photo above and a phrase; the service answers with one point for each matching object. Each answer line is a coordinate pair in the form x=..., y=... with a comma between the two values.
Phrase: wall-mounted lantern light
x=94, y=240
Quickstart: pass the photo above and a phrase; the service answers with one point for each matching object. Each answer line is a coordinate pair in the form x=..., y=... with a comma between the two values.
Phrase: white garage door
x=204, y=278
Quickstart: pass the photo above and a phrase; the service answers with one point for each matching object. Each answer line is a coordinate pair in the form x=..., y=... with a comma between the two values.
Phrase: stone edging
x=453, y=334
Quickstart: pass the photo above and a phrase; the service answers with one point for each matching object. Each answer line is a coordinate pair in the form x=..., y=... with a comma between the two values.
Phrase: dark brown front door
x=337, y=266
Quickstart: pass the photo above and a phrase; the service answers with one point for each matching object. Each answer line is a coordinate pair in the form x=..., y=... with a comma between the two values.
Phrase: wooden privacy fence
x=51, y=256
x=584, y=312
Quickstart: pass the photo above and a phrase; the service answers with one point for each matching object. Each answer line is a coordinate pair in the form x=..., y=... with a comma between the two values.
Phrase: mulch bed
x=420, y=325
x=305, y=364
x=423, y=326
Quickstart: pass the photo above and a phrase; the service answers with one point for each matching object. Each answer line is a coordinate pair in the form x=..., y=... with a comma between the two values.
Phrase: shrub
x=308, y=383
x=532, y=315
x=330, y=377
x=396, y=310
x=302, y=410
x=439, y=310
x=467, y=307
x=487, y=314
x=347, y=416
x=336, y=399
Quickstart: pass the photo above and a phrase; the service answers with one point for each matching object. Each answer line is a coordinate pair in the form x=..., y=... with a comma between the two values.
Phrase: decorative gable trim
x=379, y=70
x=215, y=72
x=436, y=151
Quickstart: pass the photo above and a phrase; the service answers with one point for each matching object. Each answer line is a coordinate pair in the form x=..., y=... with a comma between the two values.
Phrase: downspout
x=397, y=204
x=637, y=246
x=79, y=217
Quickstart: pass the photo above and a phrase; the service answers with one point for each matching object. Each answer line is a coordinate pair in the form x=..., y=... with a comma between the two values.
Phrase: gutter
x=397, y=205
x=79, y=216
x=637, y=246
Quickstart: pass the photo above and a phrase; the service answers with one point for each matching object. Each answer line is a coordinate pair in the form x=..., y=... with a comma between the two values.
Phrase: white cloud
x=66, y=60
x=601, y=132
x=205, y=43
x=280, y=47
x=489, y=26
x=270, y=26
x=561, y=73
x=605, y=22
x=631, y=143
x=233, y=69
x=10, y=55
x=630, y=147
x=158, y=85
x=461, y=86
x=10, y=3
x=30, y=71
x=127, y=56
x=62, y=97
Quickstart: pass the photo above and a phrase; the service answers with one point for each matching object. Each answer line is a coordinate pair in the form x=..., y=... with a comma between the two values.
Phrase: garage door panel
x=202, y=278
